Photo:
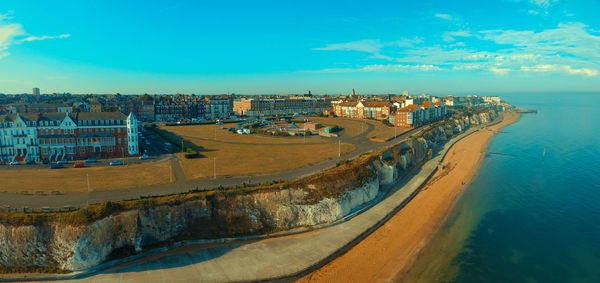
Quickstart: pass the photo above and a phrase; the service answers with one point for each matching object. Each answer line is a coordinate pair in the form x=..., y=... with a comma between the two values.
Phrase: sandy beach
x=389, y=251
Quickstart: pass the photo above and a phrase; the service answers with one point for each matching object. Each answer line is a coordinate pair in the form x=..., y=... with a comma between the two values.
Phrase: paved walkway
x=277, y=258
x=182, y=184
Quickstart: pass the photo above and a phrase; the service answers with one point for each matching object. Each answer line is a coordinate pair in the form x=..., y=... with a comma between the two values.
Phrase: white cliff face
x=387, y=173
x=77, y=247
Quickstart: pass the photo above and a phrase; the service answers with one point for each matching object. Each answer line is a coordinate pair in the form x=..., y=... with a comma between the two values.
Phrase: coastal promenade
x=286, y=257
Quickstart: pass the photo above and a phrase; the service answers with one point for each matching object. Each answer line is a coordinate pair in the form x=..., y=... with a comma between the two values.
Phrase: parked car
x=62, y=161
x=145, y=156
x=45, y=161
x=78, y=165
x=116, y=163
x=90, y=160
x=56, y=166
x=15, y=163
x=30, y=162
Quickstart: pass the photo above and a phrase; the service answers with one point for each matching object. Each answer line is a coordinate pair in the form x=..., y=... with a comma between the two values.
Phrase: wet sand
x=388, y=253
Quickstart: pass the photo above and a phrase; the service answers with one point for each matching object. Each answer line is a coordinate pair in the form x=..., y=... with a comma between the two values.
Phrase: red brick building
x=57, y=136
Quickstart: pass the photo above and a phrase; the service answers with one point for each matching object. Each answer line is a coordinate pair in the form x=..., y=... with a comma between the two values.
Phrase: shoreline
x=334, y=241
x=390, y=251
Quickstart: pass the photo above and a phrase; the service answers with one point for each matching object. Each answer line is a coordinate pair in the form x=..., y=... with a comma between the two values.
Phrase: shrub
x=281, y=134
x=191, y=154
x=143, y=203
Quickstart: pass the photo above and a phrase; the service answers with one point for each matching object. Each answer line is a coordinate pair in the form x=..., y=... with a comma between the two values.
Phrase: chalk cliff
x=319, y=199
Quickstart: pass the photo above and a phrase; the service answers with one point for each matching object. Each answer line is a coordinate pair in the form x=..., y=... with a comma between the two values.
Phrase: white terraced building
x=57, y=136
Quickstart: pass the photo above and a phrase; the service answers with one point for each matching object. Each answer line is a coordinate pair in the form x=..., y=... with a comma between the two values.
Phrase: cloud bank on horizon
x=569, y=48
x=271, y=47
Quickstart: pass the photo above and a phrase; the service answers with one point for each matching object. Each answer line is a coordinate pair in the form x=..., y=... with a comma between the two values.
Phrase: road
x=182, y=184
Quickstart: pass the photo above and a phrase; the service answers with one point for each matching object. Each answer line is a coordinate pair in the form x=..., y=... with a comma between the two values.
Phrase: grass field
x=240, y=159
x=75, y=180
x=214, y=132
x=352, y=127
x=383, y=132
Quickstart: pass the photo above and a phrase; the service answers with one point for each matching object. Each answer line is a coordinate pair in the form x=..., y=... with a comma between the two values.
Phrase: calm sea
x=528, y=216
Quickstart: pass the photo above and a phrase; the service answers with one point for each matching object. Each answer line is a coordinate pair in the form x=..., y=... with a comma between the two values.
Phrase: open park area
x=225, y=153
x=243, y=159
x=222, y=152
x=68, y=180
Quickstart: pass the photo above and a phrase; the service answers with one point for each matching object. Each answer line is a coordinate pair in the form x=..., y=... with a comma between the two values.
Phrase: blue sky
x=254, y=47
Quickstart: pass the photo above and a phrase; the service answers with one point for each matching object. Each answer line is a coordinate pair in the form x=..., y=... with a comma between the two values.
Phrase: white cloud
x=13, y=33
x=582, y=71
x=374, y=47
x=468, y=67
x=541, y=6
x=539, y=68
x=401, y=68
x=560, y=68
x=446, y=17
x=572, y=39
x=543, y=3
x=385, y=68
x=367, y=45
x=6, y=16
x=451, y=35
x=7, y=34
x=43, y=37
x=499, y=71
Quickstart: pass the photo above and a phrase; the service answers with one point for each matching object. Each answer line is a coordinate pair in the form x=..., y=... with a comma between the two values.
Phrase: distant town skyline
x=282, y=47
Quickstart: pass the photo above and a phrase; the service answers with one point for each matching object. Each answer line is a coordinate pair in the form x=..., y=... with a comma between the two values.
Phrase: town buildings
x=417, y=115
x=57, y=136
x=377, y=110
x=174, y=111
x=96, y=106
x=36, y=91
x=218, y=107
x=491, y=99
x=39, y=108
x=280, y=106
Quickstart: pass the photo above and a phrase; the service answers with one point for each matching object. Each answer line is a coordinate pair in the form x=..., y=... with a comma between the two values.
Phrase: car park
x=116, y=163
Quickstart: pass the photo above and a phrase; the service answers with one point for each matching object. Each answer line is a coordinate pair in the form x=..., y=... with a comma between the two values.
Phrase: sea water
x=532, y=214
